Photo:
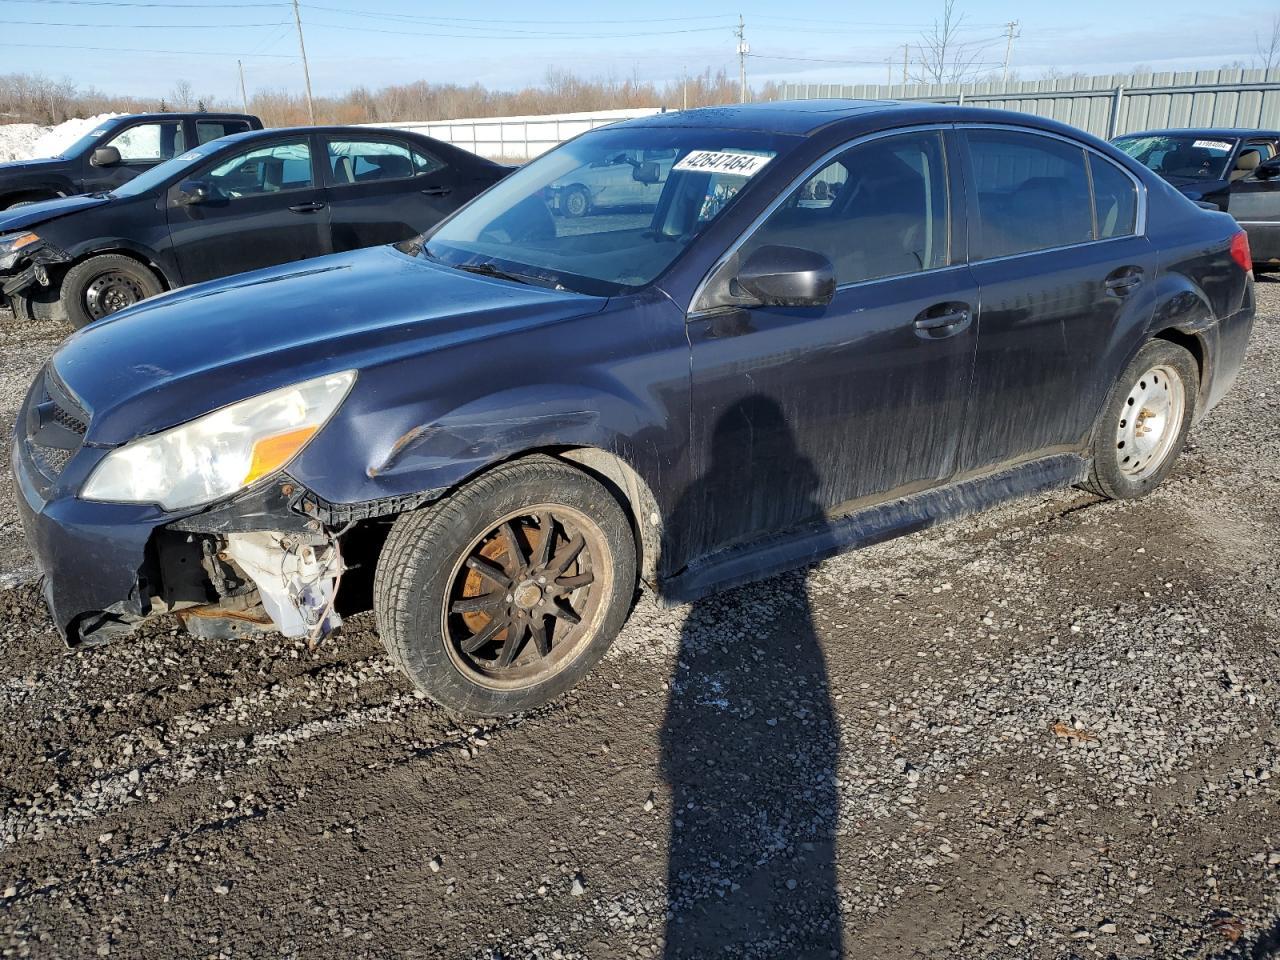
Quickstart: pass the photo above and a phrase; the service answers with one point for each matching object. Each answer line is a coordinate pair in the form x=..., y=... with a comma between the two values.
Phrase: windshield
x=158, y=174
x=606, y=212
x=1188, y=157
x=84, y=143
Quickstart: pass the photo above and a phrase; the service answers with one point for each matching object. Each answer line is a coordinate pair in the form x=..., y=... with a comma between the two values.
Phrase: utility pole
x=888, y=66
x=684, y=85
x=1011, y=29
x=906, y=54
x=244, y=97
x=743, y=50
x=306, y=70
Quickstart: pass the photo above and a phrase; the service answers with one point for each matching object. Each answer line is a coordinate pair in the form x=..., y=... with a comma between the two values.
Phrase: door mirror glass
x=105, y=157
x=779, y=276
x=193, y=192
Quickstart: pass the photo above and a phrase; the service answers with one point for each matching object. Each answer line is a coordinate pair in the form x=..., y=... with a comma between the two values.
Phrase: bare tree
x=1269, y=45
x=942, y=57
x=182, y=95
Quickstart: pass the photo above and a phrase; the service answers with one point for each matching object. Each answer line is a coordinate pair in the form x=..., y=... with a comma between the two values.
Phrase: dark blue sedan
x=818, y=325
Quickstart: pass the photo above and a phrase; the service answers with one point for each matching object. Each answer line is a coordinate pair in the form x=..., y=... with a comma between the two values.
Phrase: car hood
x=191, y=351
x=34, y=214
x=29, y=166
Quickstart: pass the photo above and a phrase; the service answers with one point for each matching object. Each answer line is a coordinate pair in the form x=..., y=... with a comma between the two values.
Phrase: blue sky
x=120, y=45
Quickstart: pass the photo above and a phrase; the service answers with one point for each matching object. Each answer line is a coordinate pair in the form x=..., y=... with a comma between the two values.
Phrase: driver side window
x=263, y=170
x=878, y=210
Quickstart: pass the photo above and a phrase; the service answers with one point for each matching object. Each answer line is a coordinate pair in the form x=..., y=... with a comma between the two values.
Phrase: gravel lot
x=1052, y=730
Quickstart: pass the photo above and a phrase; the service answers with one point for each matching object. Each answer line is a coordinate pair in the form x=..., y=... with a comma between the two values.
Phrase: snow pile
x=26, y=141
x=17, y=139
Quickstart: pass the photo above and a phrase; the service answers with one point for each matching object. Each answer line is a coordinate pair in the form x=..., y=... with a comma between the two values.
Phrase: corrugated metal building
x=1104, y=105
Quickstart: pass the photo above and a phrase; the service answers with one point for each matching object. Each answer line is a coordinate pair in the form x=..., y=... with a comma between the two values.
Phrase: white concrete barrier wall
x=515, y=138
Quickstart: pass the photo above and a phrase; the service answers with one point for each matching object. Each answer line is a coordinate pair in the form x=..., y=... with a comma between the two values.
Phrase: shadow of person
x=749, y=746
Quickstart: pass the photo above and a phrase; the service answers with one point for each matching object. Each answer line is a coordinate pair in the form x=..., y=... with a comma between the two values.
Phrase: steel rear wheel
x=1145, y=423
x=503, y=595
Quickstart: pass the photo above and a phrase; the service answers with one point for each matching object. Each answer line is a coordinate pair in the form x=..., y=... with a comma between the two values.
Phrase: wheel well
x=24, y=195
x=122, y=252
x=1189, y=342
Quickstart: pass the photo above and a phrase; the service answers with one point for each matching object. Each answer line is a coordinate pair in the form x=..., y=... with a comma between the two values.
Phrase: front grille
x=56, y=425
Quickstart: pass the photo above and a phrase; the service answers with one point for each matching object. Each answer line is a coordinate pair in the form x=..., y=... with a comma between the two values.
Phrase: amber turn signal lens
x=272, y=453
x=23, y=241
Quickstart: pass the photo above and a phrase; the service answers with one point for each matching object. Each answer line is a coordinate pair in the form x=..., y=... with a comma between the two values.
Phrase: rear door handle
x=1121, y=282
x=436, y=191
x=311, y=207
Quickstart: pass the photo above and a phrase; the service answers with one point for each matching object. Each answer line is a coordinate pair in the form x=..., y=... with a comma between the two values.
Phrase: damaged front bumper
x=28, y=267
x=268, y=559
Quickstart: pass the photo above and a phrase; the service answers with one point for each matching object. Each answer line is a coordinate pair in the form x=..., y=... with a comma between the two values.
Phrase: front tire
x=1145, y=422
x=100, y=286
x=576, y=202
x=502, y=596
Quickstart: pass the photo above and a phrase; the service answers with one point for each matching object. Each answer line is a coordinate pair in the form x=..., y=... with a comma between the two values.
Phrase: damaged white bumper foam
x=297, y=581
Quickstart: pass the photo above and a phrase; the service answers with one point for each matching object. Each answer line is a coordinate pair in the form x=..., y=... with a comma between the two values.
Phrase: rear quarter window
x=1115, y=199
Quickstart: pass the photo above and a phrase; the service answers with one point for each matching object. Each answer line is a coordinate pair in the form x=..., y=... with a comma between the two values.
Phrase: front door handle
x=311, y=207
x=943, y=319
x=1122, y=282
x=436, y=191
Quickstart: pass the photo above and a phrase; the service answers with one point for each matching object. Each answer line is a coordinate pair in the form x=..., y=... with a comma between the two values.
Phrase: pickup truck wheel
x=503, y=595
x=103, y=285
x=1145, y=422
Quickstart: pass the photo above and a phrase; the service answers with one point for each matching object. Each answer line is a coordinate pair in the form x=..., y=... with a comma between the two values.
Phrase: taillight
x=1240, y=251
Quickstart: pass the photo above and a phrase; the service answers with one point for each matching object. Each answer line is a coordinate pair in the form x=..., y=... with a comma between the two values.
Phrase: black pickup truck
x=114, y=152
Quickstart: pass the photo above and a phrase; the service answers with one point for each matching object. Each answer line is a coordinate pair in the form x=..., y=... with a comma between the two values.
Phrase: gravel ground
x=1052, y=730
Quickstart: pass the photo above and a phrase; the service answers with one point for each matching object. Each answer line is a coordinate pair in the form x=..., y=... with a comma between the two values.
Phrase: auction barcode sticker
x=1212, y=144
x=714, y=161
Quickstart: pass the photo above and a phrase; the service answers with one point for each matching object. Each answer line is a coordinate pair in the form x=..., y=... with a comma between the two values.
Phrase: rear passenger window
x=207, y=130
x=1115, y=199
x=1033, y=193
x=878, y=210
x=354, y=161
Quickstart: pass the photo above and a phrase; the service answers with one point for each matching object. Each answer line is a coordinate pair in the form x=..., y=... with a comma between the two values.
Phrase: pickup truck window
x=207, y=130
x=149, y=142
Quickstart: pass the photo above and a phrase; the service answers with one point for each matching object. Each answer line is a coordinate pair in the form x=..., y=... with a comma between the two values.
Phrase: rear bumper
x=1229, y=340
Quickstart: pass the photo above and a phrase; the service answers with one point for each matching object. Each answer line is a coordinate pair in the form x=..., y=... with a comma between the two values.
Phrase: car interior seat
x=1248, y=161
x=342, y=172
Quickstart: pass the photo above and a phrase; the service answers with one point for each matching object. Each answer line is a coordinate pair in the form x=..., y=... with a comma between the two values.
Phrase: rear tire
x=575, y=202
x=100, y=286
x=502, y=596
x=40, y=305
x=1145, y=422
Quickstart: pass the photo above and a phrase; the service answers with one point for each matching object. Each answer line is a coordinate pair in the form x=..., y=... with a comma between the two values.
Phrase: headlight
x=221, y=452
x=13, y=242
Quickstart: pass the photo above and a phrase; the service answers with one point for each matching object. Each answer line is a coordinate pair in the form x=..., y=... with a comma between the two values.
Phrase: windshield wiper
x=489, y=270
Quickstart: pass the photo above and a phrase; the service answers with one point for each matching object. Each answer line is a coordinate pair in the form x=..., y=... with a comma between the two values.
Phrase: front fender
x=98, y=245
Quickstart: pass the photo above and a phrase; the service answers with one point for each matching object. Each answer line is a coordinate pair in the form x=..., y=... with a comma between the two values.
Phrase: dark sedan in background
x=826, y=324
x=237, y=203
x=1236, y=170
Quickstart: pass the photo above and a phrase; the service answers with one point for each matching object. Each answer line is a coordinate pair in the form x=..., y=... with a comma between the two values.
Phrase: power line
x=136, y=26
x=489, y=21
x=169, y=52
x=516, y=34
x=139, y=3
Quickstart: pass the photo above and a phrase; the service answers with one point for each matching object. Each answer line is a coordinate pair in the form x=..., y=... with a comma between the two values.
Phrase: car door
x=142, y=145
x=383, y=189
x=1065, y=281
x=869, y=389
x=263, y=207
x=1255, y=203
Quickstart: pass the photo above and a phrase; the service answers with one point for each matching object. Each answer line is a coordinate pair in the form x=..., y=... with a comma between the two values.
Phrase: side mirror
x=193, y=192
x=105, y=157
x=647, y=173
x=788, y=277
x=1269, y=170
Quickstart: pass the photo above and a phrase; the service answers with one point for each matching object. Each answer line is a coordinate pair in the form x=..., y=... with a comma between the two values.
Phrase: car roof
x=349, y=130
x=1203, y=132
x=176, y=115
x=776, y=116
